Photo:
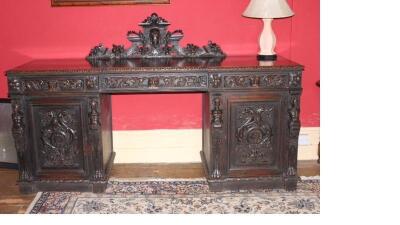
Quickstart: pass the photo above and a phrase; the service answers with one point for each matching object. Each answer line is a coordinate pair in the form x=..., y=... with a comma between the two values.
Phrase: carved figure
x=156, y=42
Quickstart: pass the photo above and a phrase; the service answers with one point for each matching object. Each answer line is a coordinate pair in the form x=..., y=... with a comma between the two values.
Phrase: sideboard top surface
x=83, y=66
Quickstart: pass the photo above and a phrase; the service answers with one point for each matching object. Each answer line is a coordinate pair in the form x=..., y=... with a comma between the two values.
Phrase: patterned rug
x=177, y=197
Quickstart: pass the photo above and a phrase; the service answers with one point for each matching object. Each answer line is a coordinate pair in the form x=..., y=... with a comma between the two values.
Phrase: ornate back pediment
x=155, y=41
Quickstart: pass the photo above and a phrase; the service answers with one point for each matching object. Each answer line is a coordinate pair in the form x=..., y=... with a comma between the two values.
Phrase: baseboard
x=184, y=145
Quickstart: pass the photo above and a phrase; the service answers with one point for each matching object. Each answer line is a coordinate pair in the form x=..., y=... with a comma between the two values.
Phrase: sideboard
x=62, y=127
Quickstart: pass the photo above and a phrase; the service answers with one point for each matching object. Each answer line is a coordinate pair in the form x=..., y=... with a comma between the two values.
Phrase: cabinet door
x=255, y=145
x=57, y=137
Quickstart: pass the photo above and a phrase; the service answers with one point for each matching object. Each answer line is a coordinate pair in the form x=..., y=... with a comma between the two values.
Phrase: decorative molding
x=263, y=81
x=161, y=81
x=155, y=41
x=51, y=85
x=276, y=81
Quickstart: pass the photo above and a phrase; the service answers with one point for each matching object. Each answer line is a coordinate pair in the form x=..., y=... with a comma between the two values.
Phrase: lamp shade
x=268, y=9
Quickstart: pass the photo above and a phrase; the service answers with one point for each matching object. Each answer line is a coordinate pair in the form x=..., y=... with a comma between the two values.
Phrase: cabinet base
x=75, y=186
x=68, y=185
x=229, y=183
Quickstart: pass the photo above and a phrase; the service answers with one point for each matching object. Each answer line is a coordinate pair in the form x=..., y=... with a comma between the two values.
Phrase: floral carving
x=244, y=81
x=294, y=112
x=280, y=81
x=155, y=82
x=54, y=85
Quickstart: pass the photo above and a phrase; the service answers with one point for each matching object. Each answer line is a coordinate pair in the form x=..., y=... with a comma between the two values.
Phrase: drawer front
x=154, y=82
x=58, y=135
x=255, y=134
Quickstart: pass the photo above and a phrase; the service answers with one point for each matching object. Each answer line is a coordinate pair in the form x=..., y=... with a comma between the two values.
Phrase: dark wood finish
x=62, y=118
x=104, y=2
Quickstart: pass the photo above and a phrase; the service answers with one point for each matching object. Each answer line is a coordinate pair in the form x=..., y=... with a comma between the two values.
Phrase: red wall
x=33, y=29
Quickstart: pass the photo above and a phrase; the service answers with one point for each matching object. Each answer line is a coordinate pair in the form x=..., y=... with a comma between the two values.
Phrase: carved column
x=294, y=129
x=97, y=173
x=18, y=132
x=218, y=139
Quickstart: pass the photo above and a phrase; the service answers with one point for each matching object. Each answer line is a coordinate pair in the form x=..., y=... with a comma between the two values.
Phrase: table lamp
x=267, y=10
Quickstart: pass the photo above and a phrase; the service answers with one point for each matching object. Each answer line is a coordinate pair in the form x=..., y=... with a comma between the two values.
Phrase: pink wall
x=32, y=29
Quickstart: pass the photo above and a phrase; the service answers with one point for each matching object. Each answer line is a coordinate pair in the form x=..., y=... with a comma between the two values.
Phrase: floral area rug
x=179, y=196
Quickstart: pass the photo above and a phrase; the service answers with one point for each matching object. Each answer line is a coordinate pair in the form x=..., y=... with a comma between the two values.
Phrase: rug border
x=33, y=203
x=39, y=194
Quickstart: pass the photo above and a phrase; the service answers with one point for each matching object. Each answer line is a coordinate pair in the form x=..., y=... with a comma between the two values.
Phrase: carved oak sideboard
x=61, y=113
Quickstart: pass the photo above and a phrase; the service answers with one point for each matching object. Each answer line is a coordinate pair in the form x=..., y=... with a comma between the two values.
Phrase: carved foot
x=291, y=183
x=216, y=174
x=291, y=171
x=290, y=187
x=99, y=187
x=25, y=175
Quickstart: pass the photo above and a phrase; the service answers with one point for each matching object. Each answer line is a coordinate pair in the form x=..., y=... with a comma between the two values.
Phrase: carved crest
x=155, y=41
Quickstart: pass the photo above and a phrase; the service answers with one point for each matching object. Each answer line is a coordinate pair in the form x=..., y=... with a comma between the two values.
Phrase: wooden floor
x=11, y=201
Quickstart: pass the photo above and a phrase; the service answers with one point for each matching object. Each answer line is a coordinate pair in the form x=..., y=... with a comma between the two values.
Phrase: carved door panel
x=58, y=135
x=255, y=134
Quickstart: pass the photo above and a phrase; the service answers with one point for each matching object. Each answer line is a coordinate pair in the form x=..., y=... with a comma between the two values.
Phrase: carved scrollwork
x=18, y=132
x=254, y=81
x=54, y=85
x=155, y=41
x=59, y=139
x=263, y=81
x=276, y=81
x=155, y=82
x=254, y=134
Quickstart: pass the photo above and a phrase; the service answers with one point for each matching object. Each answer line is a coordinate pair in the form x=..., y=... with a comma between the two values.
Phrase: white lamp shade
x=268, y=9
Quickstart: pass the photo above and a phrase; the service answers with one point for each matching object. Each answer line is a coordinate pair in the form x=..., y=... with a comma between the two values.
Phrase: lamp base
x=266, y=57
